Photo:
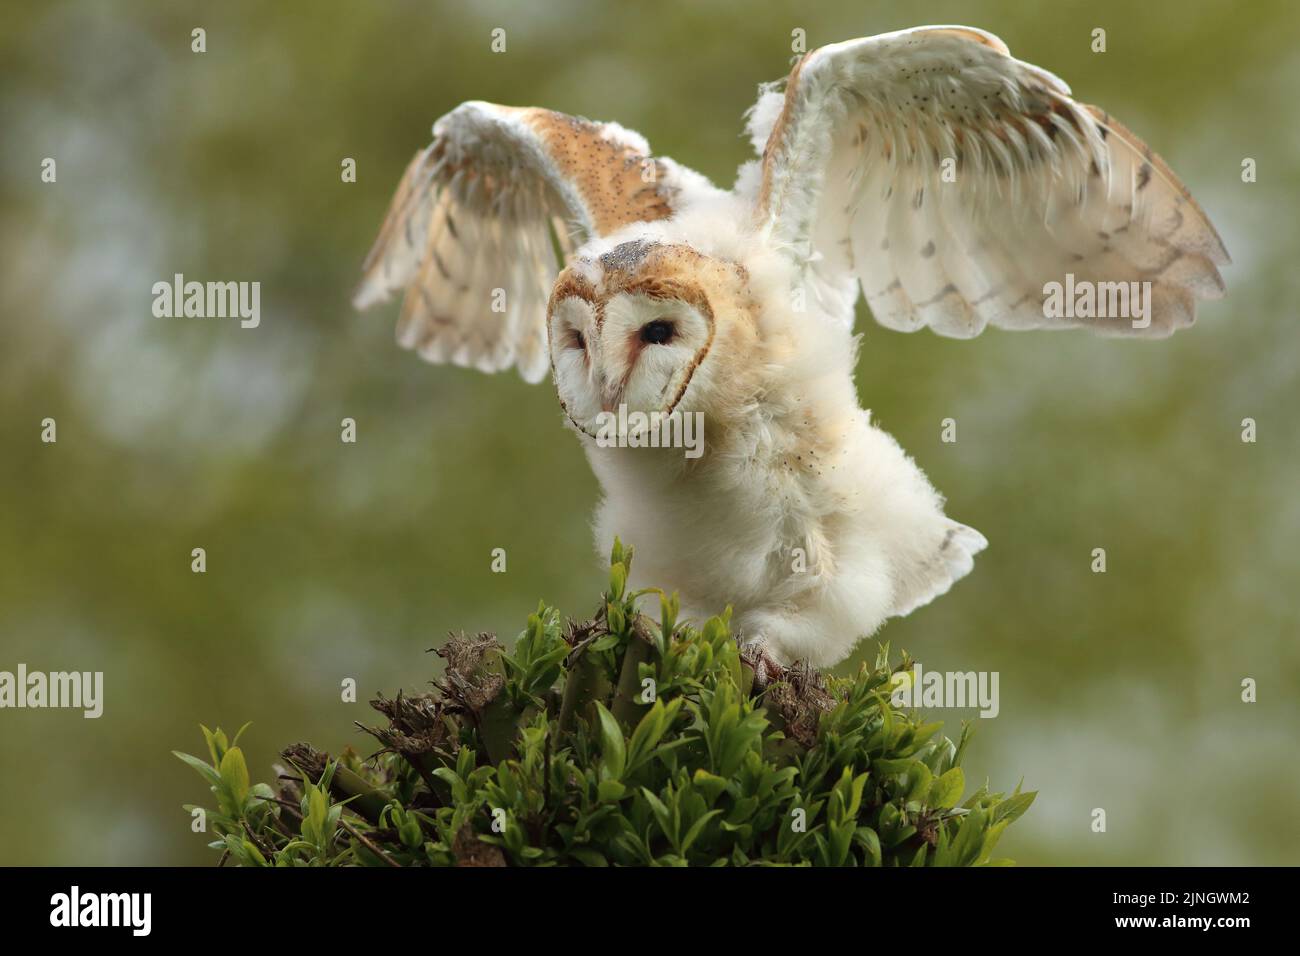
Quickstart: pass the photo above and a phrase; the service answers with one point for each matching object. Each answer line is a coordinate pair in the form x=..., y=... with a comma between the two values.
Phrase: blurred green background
x=325, y=560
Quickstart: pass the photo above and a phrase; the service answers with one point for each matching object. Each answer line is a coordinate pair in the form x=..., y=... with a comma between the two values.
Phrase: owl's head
x=647, y=327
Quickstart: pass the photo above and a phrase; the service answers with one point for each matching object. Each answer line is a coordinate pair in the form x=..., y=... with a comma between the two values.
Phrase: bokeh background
x=325, y=560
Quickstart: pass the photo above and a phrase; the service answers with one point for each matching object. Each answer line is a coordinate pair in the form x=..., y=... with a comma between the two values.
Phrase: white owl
x=950, y=182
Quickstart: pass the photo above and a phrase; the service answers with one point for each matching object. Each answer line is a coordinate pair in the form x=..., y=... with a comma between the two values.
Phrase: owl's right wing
x=472, y=232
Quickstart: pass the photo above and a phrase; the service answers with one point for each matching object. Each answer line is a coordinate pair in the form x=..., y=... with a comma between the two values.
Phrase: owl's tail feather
x=949, y=564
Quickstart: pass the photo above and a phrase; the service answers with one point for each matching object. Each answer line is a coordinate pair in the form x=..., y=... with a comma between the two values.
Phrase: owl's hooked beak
x=609, y=394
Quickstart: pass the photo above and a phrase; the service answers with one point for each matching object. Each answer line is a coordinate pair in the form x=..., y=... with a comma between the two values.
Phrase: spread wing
x=953, y=183
x=472, y=233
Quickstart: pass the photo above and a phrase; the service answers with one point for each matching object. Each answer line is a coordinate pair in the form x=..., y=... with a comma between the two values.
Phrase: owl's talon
x=767, y=669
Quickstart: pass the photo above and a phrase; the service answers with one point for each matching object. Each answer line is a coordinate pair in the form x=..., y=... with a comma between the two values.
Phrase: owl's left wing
x=955, y=183
x=472, y=231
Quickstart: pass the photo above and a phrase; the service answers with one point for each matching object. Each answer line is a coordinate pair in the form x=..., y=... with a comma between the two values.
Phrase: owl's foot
x=767, y=668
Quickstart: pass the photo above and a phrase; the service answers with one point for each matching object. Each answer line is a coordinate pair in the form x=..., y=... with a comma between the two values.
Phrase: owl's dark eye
x=658, y=332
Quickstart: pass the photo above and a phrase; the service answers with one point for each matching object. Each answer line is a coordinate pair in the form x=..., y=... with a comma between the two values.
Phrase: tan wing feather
x=468, y=234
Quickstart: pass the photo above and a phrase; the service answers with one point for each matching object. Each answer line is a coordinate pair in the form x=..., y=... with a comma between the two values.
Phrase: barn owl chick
x=957, y=187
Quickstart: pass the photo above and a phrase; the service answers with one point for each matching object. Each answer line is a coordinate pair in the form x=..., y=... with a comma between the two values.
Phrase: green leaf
x=617, y=581
x=649, y=732
x=891, y=767
x=605, y=643
x=921, y=779
x=708, y=784
x=696, y=829
x=947, y=790
x=253, y=854
x=612, y=746
x=234, y=775
x=669, y=608
x=211, y=739
x=587, y=856
x=610, y=791
x=870, y=843
x=970, y=838
x=661, y=814
x=205, y=771
x=240, y=732
x=1013, y=807
x=922, y=734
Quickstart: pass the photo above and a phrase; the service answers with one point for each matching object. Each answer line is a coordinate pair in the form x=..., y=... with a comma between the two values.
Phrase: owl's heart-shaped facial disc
x=627, y=332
